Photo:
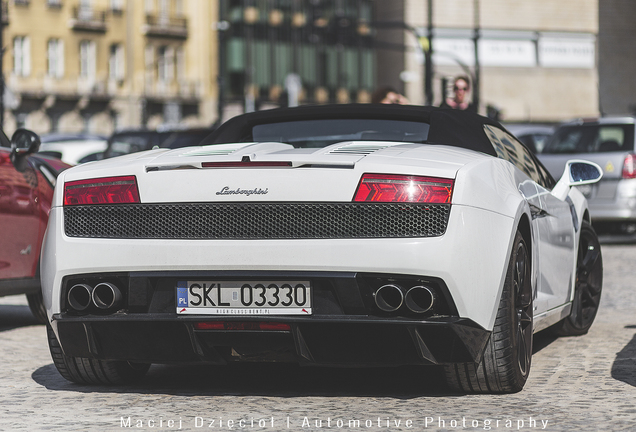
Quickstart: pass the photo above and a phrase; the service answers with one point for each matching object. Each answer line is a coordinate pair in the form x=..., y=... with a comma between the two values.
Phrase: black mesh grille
x=256, y=220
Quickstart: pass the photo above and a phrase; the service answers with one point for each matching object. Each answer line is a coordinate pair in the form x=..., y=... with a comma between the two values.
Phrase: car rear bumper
x=320, y=341
x=619, y=209
x=346, y=326
x=615, y=201
x=470, y=258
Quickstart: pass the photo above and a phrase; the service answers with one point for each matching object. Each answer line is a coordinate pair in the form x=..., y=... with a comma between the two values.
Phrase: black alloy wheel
x=523, y=308
x=505, y=363
x=36, y=304
x=91, y=371
x=588, y=285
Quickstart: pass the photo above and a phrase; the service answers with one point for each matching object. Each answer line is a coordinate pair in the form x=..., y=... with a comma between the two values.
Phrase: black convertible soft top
x=449, y=127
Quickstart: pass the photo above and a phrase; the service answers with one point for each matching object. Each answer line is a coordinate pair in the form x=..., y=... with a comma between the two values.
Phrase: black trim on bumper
x=347, y=327
x=316, y=340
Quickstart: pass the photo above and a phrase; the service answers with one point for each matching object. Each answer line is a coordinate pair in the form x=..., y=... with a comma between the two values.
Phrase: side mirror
x=24, y=142
x=577, y=173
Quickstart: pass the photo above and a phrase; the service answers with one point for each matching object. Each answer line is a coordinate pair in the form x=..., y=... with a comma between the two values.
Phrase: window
x=87, y=59
x=321, y=133
x=149, y=55
x=85, y=10
x=55, y=53
x=181, y=64
x=22, y=56
x=165, y=63
x=117, y=6
x=164, y=8
x=592, y=138
x=511, y=149
x=116, y=68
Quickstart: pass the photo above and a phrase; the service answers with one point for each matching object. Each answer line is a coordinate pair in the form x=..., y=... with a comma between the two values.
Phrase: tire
x=92, y=371
x=36, y=304
x=505, y=363
x=587, y=288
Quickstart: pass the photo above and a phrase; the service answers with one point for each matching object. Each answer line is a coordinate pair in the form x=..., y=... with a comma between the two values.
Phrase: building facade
x=277, y=52
x=537, y=58
x=100, y=65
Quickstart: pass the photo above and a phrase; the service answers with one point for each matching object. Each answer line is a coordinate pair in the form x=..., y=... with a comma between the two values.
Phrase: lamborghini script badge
x=238, y=191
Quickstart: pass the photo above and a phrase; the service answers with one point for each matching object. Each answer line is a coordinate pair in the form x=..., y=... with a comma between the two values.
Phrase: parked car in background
x=136, y=140
x=534, y=136
x=608, y=141
x=27, y=180
x=73, y=149
x=336, y=235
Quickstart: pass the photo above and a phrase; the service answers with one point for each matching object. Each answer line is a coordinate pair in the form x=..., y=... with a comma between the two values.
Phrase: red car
x=26, y=190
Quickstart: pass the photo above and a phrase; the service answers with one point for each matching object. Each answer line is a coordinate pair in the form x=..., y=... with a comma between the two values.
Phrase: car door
x=20, y=218
x=556, y=233
x=552, y=224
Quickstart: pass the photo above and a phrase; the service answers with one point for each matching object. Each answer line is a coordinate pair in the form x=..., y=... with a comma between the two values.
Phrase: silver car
x=608, y=141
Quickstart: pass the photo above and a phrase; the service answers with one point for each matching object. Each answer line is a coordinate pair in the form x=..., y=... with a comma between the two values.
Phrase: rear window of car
x=184, y=139
x=321, y=133
x=124, y=143
x=591, y=139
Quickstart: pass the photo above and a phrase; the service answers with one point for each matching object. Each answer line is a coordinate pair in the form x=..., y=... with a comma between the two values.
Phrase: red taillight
x=401, y=188
x=229, y=325
x=106, y=190
x=629, y=166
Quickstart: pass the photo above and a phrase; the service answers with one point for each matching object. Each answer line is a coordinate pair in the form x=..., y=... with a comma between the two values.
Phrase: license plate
x=244, y=297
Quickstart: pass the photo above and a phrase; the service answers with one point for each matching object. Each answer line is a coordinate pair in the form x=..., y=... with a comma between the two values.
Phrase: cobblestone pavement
x=585, y=383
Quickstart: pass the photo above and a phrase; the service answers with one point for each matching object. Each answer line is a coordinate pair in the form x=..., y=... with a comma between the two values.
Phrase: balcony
x=166, y=26
x=87, y=19
x=181, y=90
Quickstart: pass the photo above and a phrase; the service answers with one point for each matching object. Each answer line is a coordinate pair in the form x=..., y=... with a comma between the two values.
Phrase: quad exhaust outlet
x=106, y=295
x=103, y=296
x=418, y=299
x=389, y=298
x=79, y=296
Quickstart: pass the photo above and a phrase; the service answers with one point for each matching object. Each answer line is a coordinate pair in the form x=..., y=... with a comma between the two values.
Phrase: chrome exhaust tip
x=419, y=299
x=79, y=296
x=389, y=298
x=106, y=295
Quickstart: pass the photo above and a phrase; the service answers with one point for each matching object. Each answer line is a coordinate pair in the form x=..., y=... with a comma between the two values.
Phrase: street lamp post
x=476, y=81
x=428, y=55
x=221, y=26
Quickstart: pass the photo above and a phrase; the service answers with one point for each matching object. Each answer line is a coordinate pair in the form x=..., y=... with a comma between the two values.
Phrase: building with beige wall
x=537, y=57
x=100, y=65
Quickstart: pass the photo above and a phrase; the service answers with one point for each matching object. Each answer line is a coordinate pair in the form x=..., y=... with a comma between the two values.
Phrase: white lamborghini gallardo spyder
x=348, y=235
